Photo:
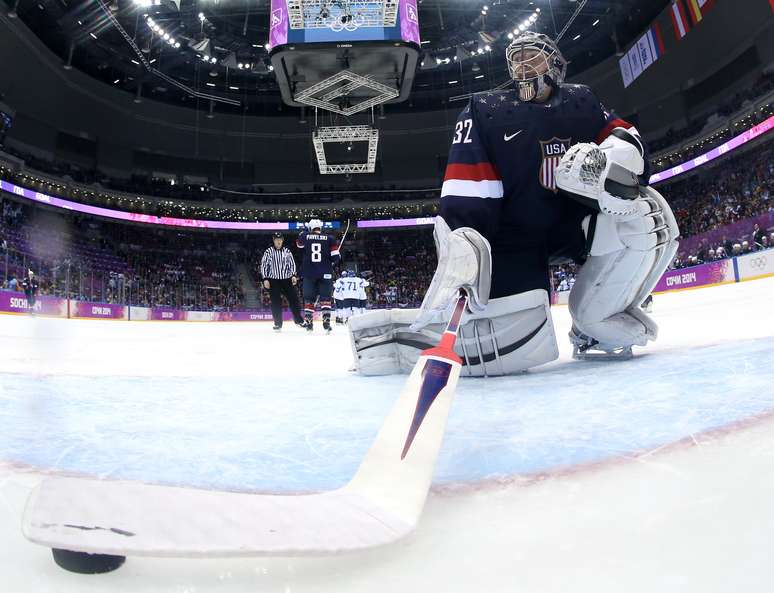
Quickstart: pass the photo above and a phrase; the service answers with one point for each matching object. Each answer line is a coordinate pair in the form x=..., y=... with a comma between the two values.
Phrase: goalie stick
x=93, y=524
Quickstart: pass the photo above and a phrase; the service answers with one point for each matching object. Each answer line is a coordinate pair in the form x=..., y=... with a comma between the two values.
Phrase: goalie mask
x=535, y=63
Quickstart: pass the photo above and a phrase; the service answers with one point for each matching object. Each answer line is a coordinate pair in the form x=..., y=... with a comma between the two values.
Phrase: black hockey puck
x=85, y=563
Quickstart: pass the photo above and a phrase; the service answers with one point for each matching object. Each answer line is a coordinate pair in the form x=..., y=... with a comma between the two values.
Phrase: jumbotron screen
x=357, y=21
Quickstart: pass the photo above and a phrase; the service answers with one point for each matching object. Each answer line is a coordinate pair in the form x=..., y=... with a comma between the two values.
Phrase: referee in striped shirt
x=278, y=270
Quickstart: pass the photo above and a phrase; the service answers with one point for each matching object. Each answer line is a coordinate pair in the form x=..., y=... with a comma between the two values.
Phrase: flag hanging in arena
x=646, y=50
x=699, y=8
x=679, y=19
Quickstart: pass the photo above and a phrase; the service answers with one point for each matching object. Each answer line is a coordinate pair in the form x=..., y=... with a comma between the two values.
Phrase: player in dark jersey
x=320, y=254
x=543, y=173
x=30, y=287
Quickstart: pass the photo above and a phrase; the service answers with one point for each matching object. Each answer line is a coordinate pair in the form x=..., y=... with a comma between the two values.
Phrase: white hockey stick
x=344, y=236
x=381, y=504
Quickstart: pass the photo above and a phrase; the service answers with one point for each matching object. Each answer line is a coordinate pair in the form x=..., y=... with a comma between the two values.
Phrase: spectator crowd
x=723, y=209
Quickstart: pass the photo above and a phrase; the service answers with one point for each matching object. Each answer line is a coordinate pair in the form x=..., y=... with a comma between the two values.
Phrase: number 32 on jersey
x=462, y=132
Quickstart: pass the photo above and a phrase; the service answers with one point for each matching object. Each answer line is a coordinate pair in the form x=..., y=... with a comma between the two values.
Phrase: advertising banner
x=278, y=23
x=16, y=302
x=97, y=310
x=409, y=21
x=166, y=314
x=756, y=265
x=718, y=272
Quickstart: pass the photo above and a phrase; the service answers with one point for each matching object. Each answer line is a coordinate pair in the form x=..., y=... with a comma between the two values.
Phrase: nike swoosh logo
x=508, y=138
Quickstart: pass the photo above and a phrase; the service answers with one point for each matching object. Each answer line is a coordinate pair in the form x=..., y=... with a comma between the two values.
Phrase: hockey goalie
x=539, y=174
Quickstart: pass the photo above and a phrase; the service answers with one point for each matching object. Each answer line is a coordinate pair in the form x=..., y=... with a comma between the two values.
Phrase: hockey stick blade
x=381, y=504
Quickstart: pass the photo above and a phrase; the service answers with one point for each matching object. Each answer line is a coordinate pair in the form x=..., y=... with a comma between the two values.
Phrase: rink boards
x=751, y=266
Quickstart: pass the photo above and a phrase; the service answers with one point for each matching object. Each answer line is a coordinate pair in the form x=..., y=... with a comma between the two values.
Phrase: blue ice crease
x=279, y=435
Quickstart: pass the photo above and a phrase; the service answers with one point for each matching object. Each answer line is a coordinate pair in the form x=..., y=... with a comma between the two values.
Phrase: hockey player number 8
x=316, y=252
x=463, y=126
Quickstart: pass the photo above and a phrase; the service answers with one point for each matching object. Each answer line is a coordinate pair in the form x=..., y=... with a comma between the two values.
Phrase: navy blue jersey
x=500, y=176
x=320, y=252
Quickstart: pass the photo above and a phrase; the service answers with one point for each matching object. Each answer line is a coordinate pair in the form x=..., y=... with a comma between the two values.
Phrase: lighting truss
x=324, y=135
x=141, y=57
x=316, y=95
x=342, y=14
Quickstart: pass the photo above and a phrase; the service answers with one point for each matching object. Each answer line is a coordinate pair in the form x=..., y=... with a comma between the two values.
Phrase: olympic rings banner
x=756, y=265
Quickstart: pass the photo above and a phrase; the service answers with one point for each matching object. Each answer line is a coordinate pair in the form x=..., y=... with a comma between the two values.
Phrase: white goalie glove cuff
x=464, y=261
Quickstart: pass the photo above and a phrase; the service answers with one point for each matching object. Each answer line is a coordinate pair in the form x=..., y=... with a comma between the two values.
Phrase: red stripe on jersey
x=611, y=125
x=477, y=172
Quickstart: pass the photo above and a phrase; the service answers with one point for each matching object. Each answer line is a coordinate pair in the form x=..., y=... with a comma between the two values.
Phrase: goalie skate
x=587, y=348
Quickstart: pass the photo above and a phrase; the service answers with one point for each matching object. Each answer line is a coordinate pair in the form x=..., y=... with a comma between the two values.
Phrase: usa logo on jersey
x=552, y=152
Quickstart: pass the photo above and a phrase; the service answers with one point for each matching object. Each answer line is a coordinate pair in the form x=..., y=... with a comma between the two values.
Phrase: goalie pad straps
x=512, y=334
x=626, y=259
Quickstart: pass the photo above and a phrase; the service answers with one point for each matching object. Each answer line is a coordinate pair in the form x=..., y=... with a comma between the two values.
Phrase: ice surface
x=234, y=406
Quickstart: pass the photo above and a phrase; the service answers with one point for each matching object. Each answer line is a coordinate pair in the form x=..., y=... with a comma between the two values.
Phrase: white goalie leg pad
x=627, y=258
x=512, y=334
x=669, y=244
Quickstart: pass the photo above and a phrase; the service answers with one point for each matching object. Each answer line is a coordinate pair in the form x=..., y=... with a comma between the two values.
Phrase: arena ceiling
x=84, y=33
